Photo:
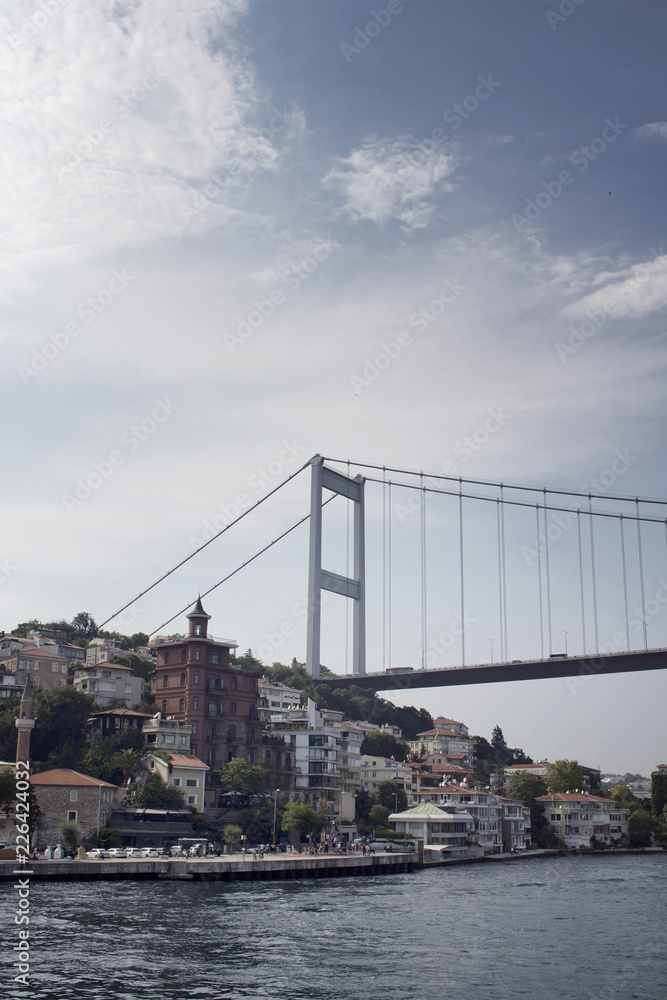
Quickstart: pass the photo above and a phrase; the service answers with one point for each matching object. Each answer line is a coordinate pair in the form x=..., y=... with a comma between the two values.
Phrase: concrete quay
x=231, y=868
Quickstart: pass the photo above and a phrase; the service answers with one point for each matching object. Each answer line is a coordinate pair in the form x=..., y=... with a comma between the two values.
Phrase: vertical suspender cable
x=641, y=571
x=581, y=584
x=389, y=575
x=423, y=572
x=539, y=578
x=625, y=587
x=463, y=617
x=593, y=577
x=502, y=526
x=548, y=573
x=347, y=573
x=500, y=582
x=384, y=569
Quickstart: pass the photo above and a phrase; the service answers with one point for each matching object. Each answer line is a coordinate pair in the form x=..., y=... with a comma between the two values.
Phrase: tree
x=526, y=788
x=69, y=833
x=498, y=740
x=385, y=796
x=84, y=623
x=231, y=834
x=300, y=819
x=378, y=816
x=140, y=666
x=129, y=762
x=385, y=745
x=565, y=776
x=154, y=794
x=23, y=628
x=658, y=793
x=61, y=715
x=241, y=777
x=624, y=796
x=640, y=828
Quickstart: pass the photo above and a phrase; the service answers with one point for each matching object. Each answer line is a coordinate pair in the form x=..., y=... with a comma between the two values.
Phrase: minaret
x=25, y=723
x=198, y=621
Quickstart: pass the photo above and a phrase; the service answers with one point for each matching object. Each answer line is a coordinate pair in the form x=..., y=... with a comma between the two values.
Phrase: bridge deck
x=524, y=670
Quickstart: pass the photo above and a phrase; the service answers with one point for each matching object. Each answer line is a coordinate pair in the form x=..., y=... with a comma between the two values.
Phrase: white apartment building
x=438, y=828
x=187, y=773
x=109, y=681
x=167, y=734
x=274, y=698
x=485, y=808
x=578, y=817
x=375, y=770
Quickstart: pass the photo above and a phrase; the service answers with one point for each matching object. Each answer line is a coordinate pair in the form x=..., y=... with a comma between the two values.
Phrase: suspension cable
x=463, y=617
x=548, y=576
x=423, y=578
x=202, y=547
x=500, y=583
x=539, y=578
x=641, y=576
x=389, y=576
x=625, y=587
x=593, y=576
x=384, y=575
x=239, y=568
x=502, y=526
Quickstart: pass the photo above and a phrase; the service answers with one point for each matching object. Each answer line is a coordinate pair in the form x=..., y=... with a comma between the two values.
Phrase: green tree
x=498, y=741
x=565, y=776
x=140, y=666
x=658, y=793
x=152, y=793
x=624, y=796
x=385, y=796
x=84, y=623
x=257, y=822
x=385, y=745
x=23, y=628
x=526, y=788
x=61, y=715
x=299, y=819
x=378, y=816
x=241, y=777
x=231, y=834
x=640, y=828
x=69, y=833
x=129, y=762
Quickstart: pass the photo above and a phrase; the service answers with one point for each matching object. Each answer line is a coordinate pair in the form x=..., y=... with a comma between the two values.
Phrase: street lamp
x=275, y=810
x=566, y=635
x=492, y=642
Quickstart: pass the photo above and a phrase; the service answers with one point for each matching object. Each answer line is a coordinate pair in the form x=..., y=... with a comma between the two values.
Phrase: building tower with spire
x=25, y=724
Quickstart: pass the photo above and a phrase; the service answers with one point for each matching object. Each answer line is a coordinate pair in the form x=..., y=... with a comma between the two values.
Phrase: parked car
x=116, y=852
x=134, y=852
x=150, y=852
x=97, y=854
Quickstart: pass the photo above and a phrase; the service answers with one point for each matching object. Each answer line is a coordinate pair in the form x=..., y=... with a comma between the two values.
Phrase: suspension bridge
x=474, y=563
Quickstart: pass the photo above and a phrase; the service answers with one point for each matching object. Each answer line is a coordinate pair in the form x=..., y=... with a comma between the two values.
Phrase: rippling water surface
x=567, y=928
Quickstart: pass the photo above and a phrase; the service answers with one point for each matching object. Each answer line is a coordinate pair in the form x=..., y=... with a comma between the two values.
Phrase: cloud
x=393, y=179
x=125, y=124
x=654, y=130
x=637, y=290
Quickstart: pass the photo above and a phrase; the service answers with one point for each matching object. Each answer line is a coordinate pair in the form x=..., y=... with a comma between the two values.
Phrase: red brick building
x=195, y=683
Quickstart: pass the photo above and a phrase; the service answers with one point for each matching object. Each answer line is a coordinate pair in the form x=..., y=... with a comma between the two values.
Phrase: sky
x=421, y=235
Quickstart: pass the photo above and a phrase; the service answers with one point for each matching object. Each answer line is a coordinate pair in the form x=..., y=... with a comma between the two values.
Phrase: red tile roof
x=63, y=776
x=572, y=797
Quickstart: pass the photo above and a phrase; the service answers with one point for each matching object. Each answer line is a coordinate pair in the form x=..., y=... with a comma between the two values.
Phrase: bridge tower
x=320, y=579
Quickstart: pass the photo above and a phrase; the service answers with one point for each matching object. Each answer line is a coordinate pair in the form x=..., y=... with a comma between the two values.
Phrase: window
x=22, y=664
x=71, y=816
x=231, y=733
x=232, y=708
x=197, y=652
x=191, y=782
x=183, y=680
x=184, y=655
x=181, y=705
x=168, y=739
x=165, y=681
x=164, y=706
x=212, y=708
x=232, y=683
x=196, y=677
x=198, y=629
x=214, y=656
x=194, y=733
x=177, y=782
x=195, y=704
x=73, y=795
x=166, y=656
x=117, y=723
x=54, y=667
x=192, y=799
x=128, y=689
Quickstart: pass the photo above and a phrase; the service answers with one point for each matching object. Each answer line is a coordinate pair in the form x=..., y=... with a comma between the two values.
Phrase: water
x=576, y=928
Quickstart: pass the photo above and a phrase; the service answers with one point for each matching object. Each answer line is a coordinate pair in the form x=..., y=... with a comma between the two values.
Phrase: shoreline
x=272, y=867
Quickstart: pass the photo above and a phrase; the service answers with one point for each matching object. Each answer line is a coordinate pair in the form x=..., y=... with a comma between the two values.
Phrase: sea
x=569, y=927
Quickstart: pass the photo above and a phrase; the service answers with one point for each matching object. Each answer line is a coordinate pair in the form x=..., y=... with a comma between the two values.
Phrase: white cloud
x=653, y=130
x=637, y=290
x=116, y=118
x=393, y=179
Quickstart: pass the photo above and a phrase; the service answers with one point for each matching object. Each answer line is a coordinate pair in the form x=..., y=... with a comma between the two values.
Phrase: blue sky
x=216, y=216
